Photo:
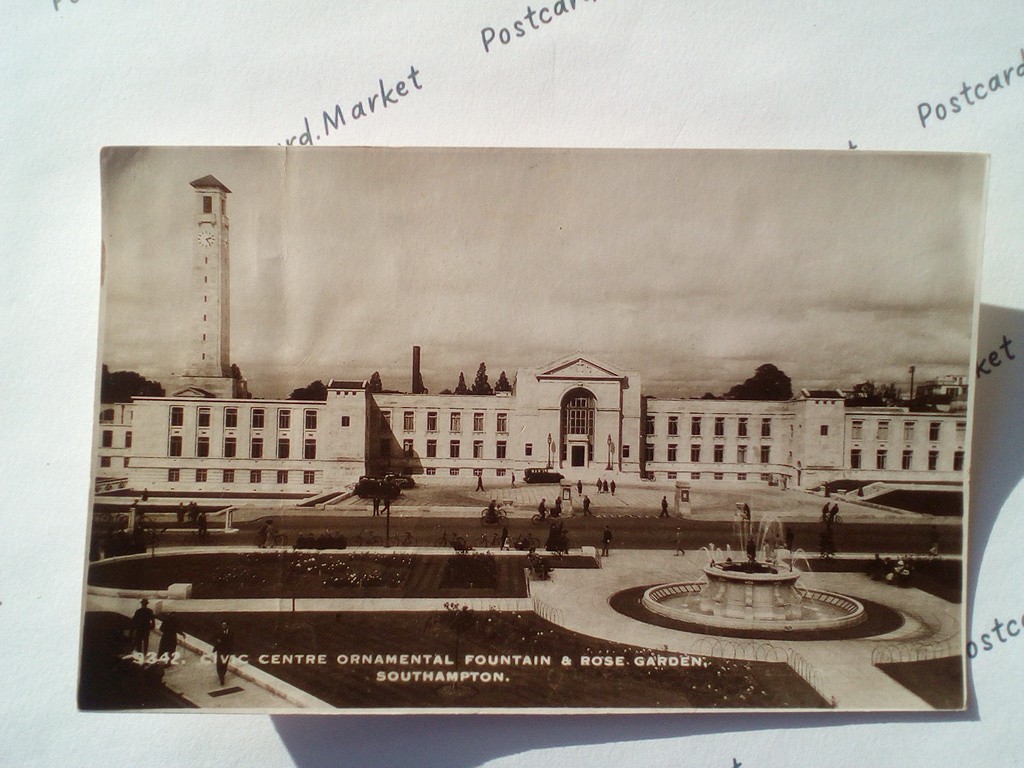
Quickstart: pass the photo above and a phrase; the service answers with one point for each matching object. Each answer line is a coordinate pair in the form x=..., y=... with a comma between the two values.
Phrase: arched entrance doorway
x=576, y=439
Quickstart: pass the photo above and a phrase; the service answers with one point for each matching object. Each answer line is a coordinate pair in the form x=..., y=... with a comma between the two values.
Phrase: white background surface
x=652, y=74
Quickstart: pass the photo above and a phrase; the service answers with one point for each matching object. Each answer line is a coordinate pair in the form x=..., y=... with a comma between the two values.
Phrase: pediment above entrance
x=194, y=392
x=579, y=367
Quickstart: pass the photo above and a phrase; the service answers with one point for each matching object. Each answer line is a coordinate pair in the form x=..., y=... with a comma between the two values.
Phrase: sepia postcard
x=392, y=430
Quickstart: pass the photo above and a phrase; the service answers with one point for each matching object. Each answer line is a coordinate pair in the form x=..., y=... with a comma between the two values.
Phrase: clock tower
x=208, y=341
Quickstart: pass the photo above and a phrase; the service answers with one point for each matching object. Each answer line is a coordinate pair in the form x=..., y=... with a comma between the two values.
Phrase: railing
x=897, y=653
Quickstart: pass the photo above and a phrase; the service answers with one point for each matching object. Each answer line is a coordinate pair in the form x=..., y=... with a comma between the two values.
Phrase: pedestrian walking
x=504, y=537
x=586, y=505
x=180, y=513
x=169, y=631
x=604, y=484
x=480, y=481
x=557, y=511
x=664, y=506
x=599, y=482
x=679, y=543
x=579, y=487
x=606, y=540
x=513, y=479
x=223, y=645
x=613, y=487
x=143, y=622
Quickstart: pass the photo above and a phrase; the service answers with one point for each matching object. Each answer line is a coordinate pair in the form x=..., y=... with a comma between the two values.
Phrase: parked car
x=542, y=475
x=402, y=481
x=380, y=487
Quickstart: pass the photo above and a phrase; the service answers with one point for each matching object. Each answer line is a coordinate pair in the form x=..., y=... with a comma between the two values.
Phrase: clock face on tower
x=207, y=239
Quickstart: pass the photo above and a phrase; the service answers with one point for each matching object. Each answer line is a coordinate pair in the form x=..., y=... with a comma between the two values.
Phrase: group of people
x=194, y=515
x=603, y=486
x=895, y=572
x=143, y=622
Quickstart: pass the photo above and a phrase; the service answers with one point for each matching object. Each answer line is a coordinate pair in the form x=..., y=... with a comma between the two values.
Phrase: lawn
x=937, y=681
x=564, y=682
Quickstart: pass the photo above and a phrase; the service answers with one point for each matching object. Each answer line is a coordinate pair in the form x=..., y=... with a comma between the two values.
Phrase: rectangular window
x=283, y=448
x=104, y=461
x=671, y=475
x=431, y=449
x=502, y=423
x=695, y=453
x=257, y=418
x=454, y=472
x=625, y=451
x=175, y=447
x=719, y=426
x=824, y=430
x=128, y=439
x=673, y=425
x=499, y=473
x=961, y=432
x=855, y=458
x=230, y=418
x=766, y=427
x=695, y=475
x=207, y=204
x=528, y=449
x=408, y=421
x=478, y=473
x=478, y=449
x=431, y=421
x=430, y=471
x=310, y=419
x=125, y=461
x=308, y=477
x=650, y=425
x=719, y=476
x=453, y=449
x=741, y=476
x=256, y=448
x=202, y=446
x=230, y=447
x=177, y=416
x=282, y=476
x=284, y=418
x=766, y=454
x=933, y=430
x=648, y=452
x=309, y=448
x=880, y=457
x=673, y=452
x=407, y=448
x=958, y=461
x=695, y=426
x=455, y=422
x=173, y=475
x=228, y=475
x=883, y=430
x=908, y=430
x=255, y=476
x=200, y=475
x=908, y=459
x=741, y=454
x=108, y=438
x=719, y=454
x=500, y=449
x=478, y=422
x=933, y=460
x=346, y=421
x=741, y=427
x=203, y=419
x=856, y=429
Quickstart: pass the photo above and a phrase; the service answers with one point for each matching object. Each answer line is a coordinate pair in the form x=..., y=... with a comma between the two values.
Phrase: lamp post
x=549, y=450
x=611, y=447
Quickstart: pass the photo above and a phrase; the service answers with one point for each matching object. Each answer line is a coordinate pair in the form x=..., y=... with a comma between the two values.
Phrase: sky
x=689, y=267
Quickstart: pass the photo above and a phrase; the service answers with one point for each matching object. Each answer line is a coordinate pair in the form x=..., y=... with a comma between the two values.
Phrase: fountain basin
x=731, y=598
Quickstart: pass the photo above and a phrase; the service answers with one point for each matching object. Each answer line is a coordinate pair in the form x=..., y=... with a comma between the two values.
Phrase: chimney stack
x=417, y=381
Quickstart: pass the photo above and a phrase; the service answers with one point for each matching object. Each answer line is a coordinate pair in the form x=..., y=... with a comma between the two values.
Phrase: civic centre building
x=582, y=416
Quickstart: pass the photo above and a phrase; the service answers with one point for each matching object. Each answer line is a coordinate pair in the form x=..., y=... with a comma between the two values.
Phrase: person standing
x=143, y=622
x=606, y=540
x=376, y=506
x=504, y=537
x=480, y=481
x=579, y=487
x=223, y=645
x=664, y=506
x=557, y=511
x=201, y=524
x=599, y=485
x=613, y=487
x=513, y=479
x=586, y=505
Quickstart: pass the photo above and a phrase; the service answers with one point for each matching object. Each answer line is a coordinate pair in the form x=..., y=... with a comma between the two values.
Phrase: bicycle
x=277, y=540
x=455, y=541
x=406, y=540
x=367, y=539
x=525, y=542
x=496, y=517
x=489, y=540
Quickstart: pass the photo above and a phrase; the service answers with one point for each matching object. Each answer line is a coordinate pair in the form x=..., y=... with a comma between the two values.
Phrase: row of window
x=454, y=421
x=107, y=439
x=257, y=417
x=228, y=476
x=697, y=422
x=909, y=427
x=230, y=447
x=718, y=453
x=907, y=461
x=456, y=471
